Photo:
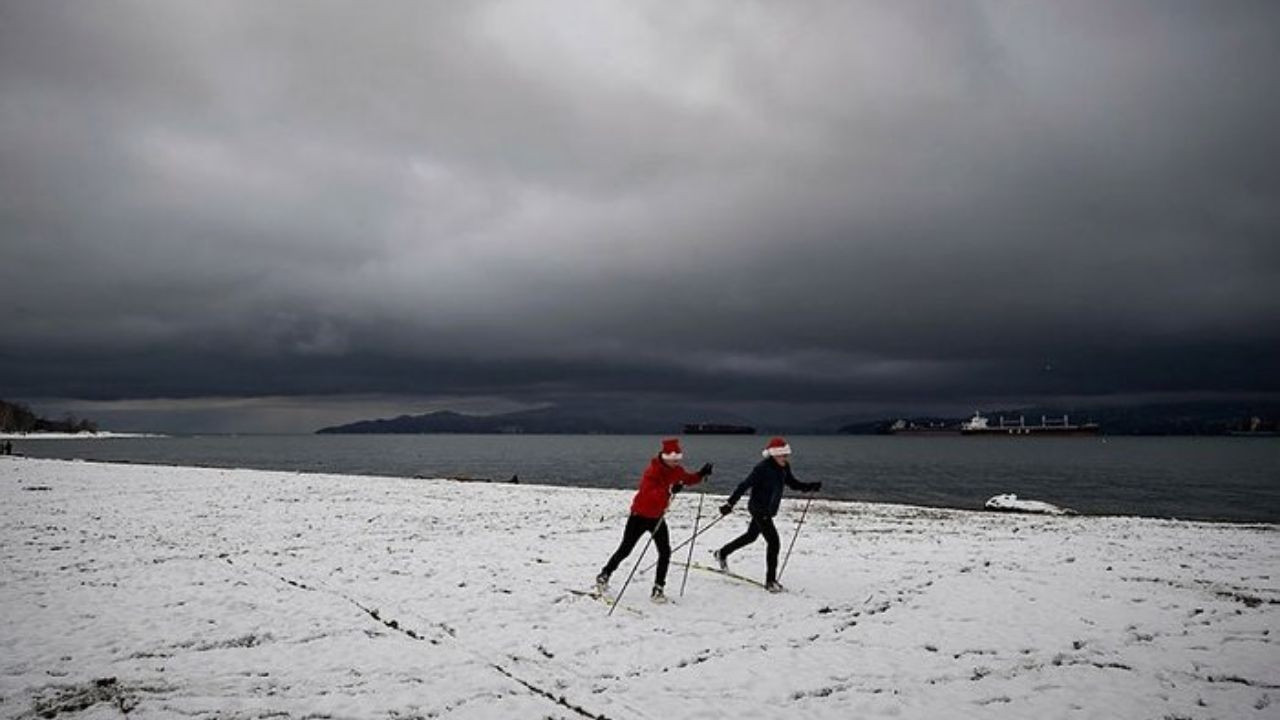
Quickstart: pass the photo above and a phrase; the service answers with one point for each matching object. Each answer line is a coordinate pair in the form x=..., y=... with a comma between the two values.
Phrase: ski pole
x=647, y=543
x=686, y=542
x=793, y=538
x=689, y=562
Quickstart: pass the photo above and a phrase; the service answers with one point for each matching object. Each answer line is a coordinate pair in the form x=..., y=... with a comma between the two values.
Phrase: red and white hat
x=777, y=446
x=671, y=449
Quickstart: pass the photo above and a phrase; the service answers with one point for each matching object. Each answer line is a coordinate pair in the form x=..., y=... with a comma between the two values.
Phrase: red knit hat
x=777, y=446
x=671, y=449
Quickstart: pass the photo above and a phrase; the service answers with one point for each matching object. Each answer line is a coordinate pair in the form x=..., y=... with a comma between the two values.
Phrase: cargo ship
x=979, y=425
x=718, y=429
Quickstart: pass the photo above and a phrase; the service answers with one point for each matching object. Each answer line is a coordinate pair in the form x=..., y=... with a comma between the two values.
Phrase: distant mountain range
x=549, y=420
x=1196, y=418
x=1204, y=418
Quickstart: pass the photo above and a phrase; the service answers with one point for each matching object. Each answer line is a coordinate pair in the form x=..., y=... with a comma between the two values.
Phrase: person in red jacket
x=662, y=479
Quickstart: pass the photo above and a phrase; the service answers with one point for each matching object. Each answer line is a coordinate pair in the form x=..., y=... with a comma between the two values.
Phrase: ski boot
x=657, y=595
x=722, y=562
x=774, y=586
x=602, y=582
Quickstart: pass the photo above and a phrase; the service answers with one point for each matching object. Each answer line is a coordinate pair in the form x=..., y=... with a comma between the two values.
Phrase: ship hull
x=1083, y=430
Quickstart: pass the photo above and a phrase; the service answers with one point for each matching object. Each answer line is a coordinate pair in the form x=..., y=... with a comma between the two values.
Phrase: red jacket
x=655, y=488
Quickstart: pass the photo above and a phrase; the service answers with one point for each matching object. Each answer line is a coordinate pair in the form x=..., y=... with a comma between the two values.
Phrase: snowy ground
x=178, y=592
x=74, y=436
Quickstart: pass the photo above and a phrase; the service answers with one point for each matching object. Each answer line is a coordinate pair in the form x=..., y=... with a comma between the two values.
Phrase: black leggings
x=760, y=525
x=636, y=527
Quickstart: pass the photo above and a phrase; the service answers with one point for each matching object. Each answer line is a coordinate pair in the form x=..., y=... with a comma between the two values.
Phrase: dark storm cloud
x=825, y=202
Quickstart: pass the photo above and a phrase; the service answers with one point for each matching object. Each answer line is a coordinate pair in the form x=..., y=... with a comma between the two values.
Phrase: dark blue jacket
x=765, y=482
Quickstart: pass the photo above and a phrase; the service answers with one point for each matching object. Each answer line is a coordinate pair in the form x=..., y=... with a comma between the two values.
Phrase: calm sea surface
x=1234, y=479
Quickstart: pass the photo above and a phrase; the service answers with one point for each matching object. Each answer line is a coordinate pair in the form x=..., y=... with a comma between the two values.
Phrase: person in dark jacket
x=765, y=483
x=661, y=480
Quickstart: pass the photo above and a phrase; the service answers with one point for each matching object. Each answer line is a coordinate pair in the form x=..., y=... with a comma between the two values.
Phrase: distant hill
x=1191, y=418
x=550, y=420
x=1180, y=418
x=18, y=418
x=664, y=418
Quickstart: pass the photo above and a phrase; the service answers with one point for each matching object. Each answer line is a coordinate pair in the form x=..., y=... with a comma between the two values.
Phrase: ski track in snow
x=163, y=592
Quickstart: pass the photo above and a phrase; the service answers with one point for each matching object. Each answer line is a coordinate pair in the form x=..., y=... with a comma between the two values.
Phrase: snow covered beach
x=75, y=436
x=169, y=592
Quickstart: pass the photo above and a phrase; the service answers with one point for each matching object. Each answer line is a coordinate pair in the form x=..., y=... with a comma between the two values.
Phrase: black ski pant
x=636, y=528
x=760, y=525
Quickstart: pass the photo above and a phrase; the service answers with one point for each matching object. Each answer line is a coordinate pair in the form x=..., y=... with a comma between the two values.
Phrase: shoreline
x=792, y=495
x=105, y=435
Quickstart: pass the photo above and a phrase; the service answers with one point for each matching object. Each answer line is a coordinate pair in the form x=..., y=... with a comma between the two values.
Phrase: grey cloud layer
x=823, y=200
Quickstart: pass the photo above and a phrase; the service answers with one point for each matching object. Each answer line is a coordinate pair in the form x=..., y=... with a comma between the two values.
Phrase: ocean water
x=1219, y=478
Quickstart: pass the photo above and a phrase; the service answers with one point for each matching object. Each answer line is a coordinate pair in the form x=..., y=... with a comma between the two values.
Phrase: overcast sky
x=216, y=209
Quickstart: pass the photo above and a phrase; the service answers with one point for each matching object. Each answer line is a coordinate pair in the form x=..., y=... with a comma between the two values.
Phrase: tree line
x=18, y=418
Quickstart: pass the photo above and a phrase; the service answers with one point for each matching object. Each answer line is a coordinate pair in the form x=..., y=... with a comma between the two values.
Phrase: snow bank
x=169, y=592
x=74, y=436
x=1010, y=502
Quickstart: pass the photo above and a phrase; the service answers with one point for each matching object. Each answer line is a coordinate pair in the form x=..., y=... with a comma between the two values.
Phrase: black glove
x=725, y=509
x=814, y=487
x=675, y=489
x=705, y=470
